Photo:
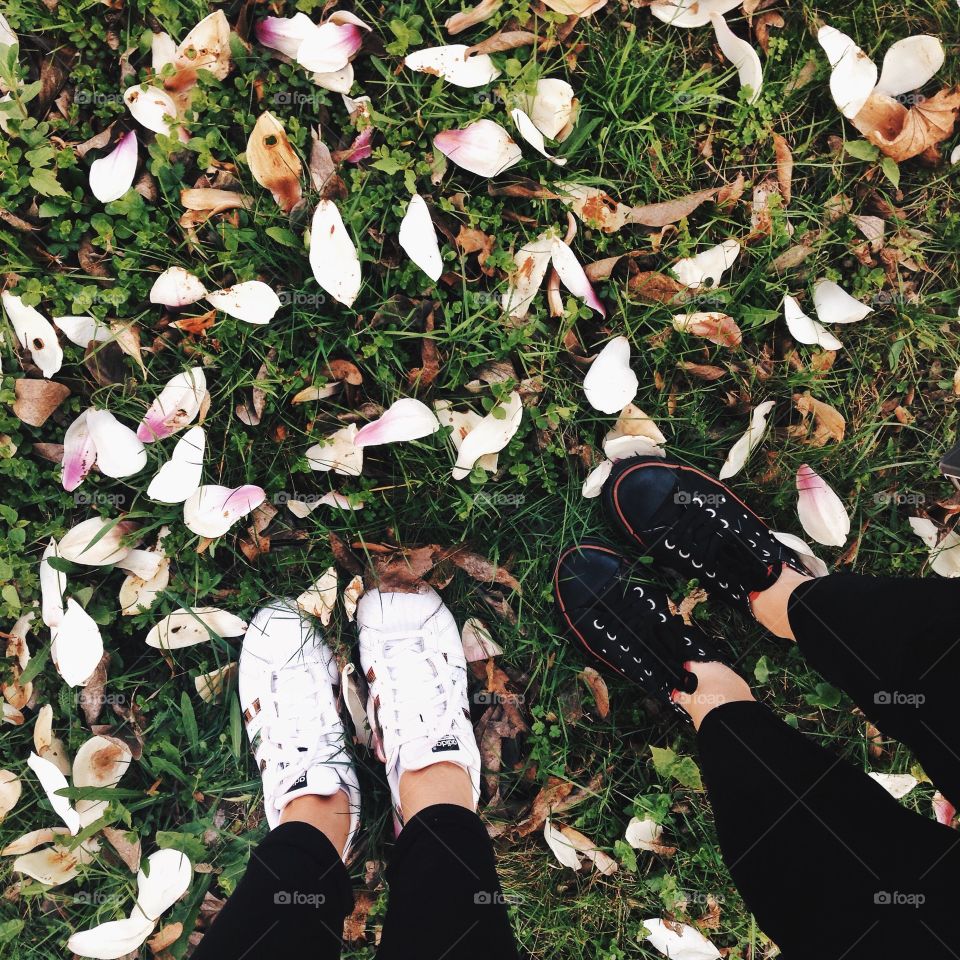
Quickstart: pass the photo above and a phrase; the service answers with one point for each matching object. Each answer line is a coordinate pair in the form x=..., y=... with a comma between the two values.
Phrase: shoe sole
x=593, y=544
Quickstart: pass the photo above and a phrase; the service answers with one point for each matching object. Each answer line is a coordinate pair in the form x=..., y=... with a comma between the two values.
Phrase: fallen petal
x=77, y=646
x=741, y=54
x=329, y=47
x=490, y=435
x=273, y=161
x=944, y=552
x=706, y=269
x=834, y=305
x=406, y=419
x=691, y=13
x=150, y=106
x=453, y=63
x=419, y=238
x=741, y=450
x=483, y=147
x=285, y=34
x=321, y=598
x=253, y=302
x=35, y=333
x=909, y=64
x=610, y=383
x=180, y=476
x=572, y=275
x=113, y=939
x=176, y=287
x=97, y=542
x=52, y=780
x=532, y=261
x=339, y=454
x=822, y=513
x=802, y=549
x=79, y=453
x=175, y=407
x=898, y=785
x=184, y=628
x=333, y=256
x=805, y=329
x=120, y=453
x=528, y=130
x=688, y=944
x=82, y=330
x=853, y=74
x=552, y=107
x=112, y=176
x=596, y=479
x=718, y=328
x=212, y=510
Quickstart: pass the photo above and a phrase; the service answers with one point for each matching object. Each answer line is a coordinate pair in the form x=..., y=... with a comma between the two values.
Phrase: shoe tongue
x=424, y=751
x=321, y=781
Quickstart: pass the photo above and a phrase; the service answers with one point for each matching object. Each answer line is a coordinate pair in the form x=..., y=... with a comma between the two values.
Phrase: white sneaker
x=287, y=684
x=413, y=659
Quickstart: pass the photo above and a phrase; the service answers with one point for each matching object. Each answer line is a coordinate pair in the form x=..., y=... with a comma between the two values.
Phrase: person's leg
x=445, y=898
x=296, y=889
x=892, y=644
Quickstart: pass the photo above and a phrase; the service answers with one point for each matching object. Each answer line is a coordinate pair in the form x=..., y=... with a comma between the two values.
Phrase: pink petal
x=79, y=453
x=212, y=510
x=573, y=276
x=111, y=176
x=482, y=147
x=330, y=47
x=285, y=34
x=360, y=149
x=407, y=419
x=943, y=809
x=176, y=407
x=821, y=511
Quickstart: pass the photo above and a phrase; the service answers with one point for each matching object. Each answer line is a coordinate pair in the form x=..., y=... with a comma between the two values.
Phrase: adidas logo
x=302, y=782
x=449, y=742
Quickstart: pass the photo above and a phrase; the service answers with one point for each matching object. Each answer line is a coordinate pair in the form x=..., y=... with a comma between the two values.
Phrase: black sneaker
x=695, y=525
x=625, y=624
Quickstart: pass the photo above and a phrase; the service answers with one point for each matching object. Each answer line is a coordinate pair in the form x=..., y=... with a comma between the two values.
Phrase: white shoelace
x=411, y=669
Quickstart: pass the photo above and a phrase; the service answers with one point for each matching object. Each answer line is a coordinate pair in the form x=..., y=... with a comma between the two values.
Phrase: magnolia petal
x=573, y=276
x=180, y=476
x=170, y=873
x=79, y=453
x=175, y=407
x=285, y=34
x=329, y=47
x=898, y=785
x=113, y=939
x=801, y=548
x=691, y=13
x=340, y=454
x=944, y=553
x=139, y=593
x=212, y=686
x=338, y=501
x=909, y=64
x=643, y=833
x=805, y=329
x=7, y=37
x=461, y=422
x=150, y=106
x=52, y=780
x=610, y=383
x=321, y=598
x=120, y=453
x=419, y=238
x=528, y=130
x=853, y=74
x=490, y=435
x=100, y=762
x=596, y=479
x=141, y=563
x=482, y=147
x=477, y=641
x=741, y=54
x=52, y=585
x=716, y=327
x=688, y=944
x=97, y=542
x=532, y=261
x=560, y=846
x=822, y=513
x=706, y=269
x=741, y=450
x=454, y=64
x=112, y=176
x=622, y=446
x=339, y=81
x=184, y=628
x=333, y=256
x=252, y=301
x=35, y=333
x=273, y=161
x=211, y=510
x=163, y=50
x=52, y=866
x=10, y=790
x=207, y=46
x=32, y=840
x=176, y=287
x=834, y=305
x=576, y=8
x=77, y=646
x=82, y=330
x=405, y=419
x=551, y=108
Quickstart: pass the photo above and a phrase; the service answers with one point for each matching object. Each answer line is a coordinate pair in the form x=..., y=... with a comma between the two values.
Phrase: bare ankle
x=717, y=684
x=438, y=783
x=330, y=815
x=770, y=606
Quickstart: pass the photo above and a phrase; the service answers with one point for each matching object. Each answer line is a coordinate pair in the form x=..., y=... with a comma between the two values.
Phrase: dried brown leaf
x=37, y=399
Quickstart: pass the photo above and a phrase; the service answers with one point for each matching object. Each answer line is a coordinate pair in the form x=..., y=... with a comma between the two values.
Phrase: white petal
x=528, y=130
x=821, y=511
x=176, y=287
x=490, y=435
x=560, y=846
x=532, y=261
x=163, y=50
x=898, y=785
x=419, y=238
x=285, y=34
x=339, y=81
x=113, y=939
x=184, y=628
x=180, y=476
x=176, y=406
x=643, y=834
x=10, y=790
x=452, y=63
x=802, y=549
x=945, y=553
x=909, y=64
x=302, y=508
x=329, y=47
x=573, y=276
x=742, y=449
x=7, y=37
x=149, y=107
x=212, y=510
x=339, y=454
x=482, y=147
x=141, y=563
x=805, y=329
x=79, y=453
x=207, y=46
x=35, y=333
x=119, y=451
x=741, y=54
x=51, y=866
x=551, y=107
x=596, y=479
x=622, y=446
x=406, y=419
x=52, y=585
x=170, y=873
x=77, y=646
x=461, y=422
x=707, y=268
x=853, y=74
x=253, y=302
x=321, y=598
x=96, y=542
x=689, y=944
x=691, y=13
x=52, y=780
x=333, y=257
x=477, y=641
x=112, y=176
x=82, y=330
x=610, y=383
x=834, y=305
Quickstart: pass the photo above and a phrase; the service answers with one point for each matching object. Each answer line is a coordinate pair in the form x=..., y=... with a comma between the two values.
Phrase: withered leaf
x=37, y=399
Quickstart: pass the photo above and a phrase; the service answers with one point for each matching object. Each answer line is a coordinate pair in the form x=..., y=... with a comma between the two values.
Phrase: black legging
x=445, y=898
x=830, y=864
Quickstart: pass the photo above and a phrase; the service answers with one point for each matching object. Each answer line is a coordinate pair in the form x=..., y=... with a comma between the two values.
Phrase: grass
x=651, y=97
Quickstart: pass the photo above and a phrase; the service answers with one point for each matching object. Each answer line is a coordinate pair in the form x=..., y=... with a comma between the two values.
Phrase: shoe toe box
x=641, y=493
x=584, y=573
